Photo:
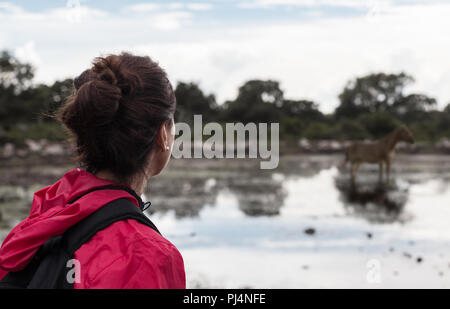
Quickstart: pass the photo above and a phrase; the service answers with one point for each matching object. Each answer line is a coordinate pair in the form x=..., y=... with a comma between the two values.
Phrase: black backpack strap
x=112, y=187
x=115, y=211
x=49, y=268
x=82, y=232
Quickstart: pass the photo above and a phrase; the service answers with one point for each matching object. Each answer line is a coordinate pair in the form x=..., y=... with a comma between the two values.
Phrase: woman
x=121, y=117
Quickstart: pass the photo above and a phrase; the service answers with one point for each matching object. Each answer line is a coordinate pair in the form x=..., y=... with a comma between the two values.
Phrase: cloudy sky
x=313, y=47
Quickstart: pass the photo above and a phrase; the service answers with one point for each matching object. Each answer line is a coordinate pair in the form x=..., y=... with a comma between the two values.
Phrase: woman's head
x=121, y=116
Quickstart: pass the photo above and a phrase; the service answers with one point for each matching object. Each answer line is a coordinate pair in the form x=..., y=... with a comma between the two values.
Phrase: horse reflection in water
x=376, y=152
x=377, y=202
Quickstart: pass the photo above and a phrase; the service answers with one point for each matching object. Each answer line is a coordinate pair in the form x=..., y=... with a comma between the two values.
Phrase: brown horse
x=379, y=151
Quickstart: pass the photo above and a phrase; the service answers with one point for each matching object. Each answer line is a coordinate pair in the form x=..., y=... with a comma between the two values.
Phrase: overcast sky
x=312, y=47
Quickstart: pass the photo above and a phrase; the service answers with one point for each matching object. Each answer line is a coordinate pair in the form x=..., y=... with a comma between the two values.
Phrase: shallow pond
x=301, y=225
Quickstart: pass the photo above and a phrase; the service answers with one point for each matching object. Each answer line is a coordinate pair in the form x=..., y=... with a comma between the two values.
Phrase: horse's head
x=404, y=134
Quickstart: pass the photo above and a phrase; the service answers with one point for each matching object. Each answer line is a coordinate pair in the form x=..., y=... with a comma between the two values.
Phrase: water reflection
x=372, y=200
x=226, y=248
x=188, y=187
x=258, y=197
x=187, y=196
x=183, y=194
x=230, y=220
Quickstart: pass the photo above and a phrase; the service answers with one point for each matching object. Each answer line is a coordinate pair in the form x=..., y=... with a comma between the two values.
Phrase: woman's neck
x=137, y=183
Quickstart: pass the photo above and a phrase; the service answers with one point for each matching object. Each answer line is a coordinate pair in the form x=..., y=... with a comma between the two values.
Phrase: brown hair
x=116, y=111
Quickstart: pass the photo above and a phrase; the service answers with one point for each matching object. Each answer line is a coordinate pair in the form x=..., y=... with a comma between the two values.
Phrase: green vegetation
x=24, y=106
x=370, y=106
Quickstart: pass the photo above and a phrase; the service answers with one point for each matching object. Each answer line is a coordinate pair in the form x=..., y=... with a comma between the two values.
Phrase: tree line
x=369, y=107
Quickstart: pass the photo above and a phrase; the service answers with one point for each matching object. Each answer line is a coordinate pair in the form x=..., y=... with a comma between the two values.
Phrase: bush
x=379, y=124
x=350, y=130
x=51, y=131
x=292, y=127
x=319, y=131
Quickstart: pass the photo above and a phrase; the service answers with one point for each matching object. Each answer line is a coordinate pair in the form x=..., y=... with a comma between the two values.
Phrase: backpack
x=52, y=267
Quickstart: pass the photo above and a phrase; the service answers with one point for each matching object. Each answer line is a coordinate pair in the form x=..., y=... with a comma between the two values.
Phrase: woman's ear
x=162, y=138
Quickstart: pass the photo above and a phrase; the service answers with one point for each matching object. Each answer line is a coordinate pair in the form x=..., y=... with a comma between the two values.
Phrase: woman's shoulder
x=143, y=238
x=129, y=248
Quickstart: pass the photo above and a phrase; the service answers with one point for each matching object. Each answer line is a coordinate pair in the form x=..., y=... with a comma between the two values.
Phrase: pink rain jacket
x=127, y=254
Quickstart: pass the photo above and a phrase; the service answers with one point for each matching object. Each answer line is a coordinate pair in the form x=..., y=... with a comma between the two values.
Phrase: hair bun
x=112, y=71
x=84, y=77
x=97, y=102
x=106, y=70
x=98, y=95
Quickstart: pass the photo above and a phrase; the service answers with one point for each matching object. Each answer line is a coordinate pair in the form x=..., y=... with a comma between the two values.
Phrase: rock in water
x=310, y=231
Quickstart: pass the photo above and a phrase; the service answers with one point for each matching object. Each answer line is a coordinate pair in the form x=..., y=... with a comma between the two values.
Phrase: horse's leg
x=380, y=172
x=352, y=171
x=343, y=165
x=355, y=169
x=388, y=170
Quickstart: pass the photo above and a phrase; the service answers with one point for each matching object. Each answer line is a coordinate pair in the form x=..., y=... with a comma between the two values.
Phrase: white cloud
x=170, y=20
x=75, y=14
x=143, y=7
x=199, y=6
x=14, y=13
x=172, y=6
x=27, y=53
x=315, y=59
x=6, y=7
x=175, y=6
x=312, y=58
x=251, y=4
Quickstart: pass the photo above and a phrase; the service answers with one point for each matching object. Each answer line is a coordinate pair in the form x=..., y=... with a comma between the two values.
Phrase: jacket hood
x=51, y=215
